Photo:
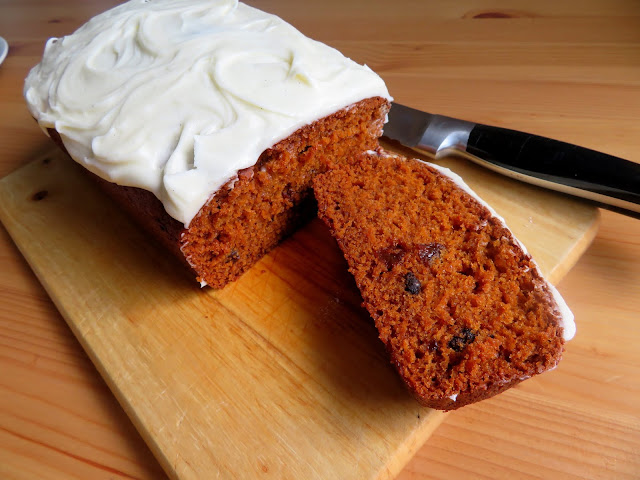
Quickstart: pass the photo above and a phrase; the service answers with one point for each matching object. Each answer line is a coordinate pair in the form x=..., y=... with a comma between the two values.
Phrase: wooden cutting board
x=280, y=374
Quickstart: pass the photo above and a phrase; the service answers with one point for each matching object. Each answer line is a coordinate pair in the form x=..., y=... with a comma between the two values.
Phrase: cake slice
x=460, y=305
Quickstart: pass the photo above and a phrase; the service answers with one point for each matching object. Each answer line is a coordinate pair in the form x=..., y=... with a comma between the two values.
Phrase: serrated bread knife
x=611, y=182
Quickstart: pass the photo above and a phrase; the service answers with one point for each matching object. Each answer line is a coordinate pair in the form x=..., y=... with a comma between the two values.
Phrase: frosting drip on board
x=176, y=96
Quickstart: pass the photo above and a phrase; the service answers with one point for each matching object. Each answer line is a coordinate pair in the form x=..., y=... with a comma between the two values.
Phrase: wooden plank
x=281, y=372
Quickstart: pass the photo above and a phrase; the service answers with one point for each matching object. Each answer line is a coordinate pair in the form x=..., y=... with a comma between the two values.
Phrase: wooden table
x=570, y=70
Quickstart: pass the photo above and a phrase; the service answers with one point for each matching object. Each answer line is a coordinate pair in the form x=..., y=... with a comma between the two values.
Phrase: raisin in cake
x=207, y=120
x=460, y=305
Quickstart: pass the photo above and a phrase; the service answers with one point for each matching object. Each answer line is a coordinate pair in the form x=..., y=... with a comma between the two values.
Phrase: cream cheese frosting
x=177, y=96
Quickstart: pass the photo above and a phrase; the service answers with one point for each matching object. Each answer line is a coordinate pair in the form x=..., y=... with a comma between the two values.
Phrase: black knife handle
x=610, y=181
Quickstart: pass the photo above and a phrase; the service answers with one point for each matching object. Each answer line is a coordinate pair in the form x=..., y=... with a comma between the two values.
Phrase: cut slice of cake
x=460, y=305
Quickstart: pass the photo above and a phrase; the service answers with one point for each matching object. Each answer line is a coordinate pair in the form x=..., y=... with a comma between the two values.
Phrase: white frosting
x=176, y=96
x=566, y=315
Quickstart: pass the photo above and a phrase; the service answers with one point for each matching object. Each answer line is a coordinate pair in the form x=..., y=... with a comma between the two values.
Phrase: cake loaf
x=460, y=305
x=207, y=120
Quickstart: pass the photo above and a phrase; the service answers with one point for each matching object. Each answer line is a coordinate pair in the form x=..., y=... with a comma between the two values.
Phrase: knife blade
x=610, y=182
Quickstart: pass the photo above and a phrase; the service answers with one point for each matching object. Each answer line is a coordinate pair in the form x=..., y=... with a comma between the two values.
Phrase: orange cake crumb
x=461, y=308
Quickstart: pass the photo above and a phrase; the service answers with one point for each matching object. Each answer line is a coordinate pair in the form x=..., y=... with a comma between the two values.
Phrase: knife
x=611, y=182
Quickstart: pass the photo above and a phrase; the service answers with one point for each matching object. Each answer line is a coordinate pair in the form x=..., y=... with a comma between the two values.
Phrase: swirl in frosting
x=176, y=96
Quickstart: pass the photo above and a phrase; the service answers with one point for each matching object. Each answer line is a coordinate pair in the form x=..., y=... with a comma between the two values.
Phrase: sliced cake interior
x=461, y=307
x=268, y=201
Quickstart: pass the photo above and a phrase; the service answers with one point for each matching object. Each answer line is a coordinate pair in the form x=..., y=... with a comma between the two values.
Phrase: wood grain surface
x=563, y=69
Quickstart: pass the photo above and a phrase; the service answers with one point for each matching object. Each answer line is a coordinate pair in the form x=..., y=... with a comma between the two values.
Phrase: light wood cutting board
x=280, y=374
